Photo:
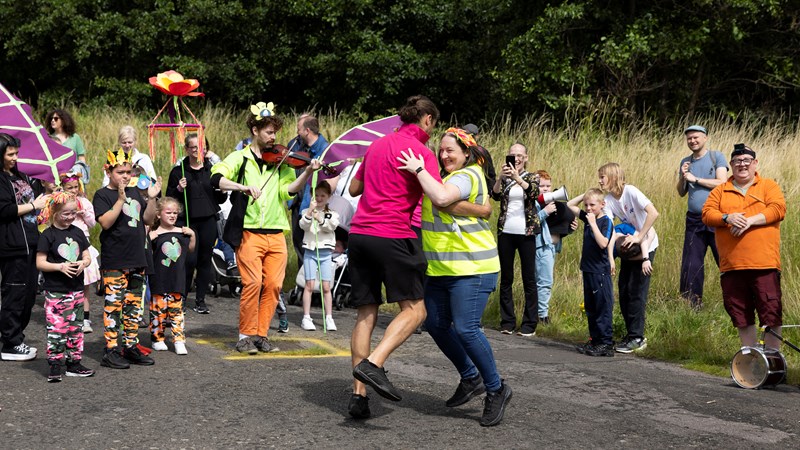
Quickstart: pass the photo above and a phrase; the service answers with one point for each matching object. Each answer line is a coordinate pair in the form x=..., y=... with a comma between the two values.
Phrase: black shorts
x=397, y=264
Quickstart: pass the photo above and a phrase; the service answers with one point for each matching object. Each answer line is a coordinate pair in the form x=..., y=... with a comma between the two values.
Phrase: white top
x=319, y=235
x=630, y=209
x=515, y=214
x=140, y=159
x=343, y=187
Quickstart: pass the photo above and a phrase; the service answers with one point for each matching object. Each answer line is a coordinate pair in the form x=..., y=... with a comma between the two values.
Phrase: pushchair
x=340, y=290
x=223, y=276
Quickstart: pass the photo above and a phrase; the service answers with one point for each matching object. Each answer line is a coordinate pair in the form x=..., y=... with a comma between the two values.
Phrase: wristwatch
x=646, y=258
x=725, y=218
x=419, y=169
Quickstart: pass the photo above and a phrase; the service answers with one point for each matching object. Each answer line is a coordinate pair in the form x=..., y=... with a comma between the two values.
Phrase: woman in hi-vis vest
x=462, y=270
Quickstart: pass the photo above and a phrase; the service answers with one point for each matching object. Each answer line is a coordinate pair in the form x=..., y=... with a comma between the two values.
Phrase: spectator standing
x=746, y=212
x=698, y=174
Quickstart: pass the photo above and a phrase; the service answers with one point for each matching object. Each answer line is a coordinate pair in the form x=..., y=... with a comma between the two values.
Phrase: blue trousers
x=598, y=302
x=545, y=262
x=455, y=306
x=697, y=239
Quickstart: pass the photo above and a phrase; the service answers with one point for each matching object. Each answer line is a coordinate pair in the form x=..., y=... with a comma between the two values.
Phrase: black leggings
x=205, y=229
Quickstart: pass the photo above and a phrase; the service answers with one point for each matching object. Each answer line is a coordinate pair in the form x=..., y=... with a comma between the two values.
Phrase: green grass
x=702, y=340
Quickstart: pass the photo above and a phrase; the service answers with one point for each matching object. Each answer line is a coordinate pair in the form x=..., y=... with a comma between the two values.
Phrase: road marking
x=290, y=348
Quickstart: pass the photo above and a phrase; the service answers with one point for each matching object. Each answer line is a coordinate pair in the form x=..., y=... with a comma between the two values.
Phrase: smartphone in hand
x=511, y=160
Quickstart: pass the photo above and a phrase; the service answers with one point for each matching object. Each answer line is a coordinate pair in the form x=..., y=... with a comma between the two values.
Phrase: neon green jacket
x=268, y=212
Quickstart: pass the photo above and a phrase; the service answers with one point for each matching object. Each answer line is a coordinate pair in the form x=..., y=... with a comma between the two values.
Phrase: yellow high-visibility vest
x=456, y=245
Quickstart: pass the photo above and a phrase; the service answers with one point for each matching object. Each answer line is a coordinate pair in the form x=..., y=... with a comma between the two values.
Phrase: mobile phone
x=511, y=159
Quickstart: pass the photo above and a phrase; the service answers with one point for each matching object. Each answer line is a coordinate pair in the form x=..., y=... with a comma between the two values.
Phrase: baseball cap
x=472, y=129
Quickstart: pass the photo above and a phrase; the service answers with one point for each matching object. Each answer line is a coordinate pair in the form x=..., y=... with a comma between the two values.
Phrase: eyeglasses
x=191, y=147
x=55, y=119
x=742, y=162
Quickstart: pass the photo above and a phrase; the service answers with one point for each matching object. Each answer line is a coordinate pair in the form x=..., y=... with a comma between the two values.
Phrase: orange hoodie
x=760, y=246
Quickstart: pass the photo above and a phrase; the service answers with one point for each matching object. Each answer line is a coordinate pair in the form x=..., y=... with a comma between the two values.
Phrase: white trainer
x=180, y=348
x=308, y=324
x=87, y=326
x=330, y=324
x=160, y=346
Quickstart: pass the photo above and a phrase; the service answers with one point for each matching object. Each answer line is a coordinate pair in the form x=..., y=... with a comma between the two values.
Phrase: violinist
x=310, y=140
x=262, y=252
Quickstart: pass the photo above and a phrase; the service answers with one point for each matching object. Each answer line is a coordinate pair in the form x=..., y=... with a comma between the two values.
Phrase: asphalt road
x=214, y=399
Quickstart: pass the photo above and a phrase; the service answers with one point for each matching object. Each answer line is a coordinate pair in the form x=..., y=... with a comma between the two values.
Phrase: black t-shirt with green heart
x=62, y=246
x=169, y=263
x=123, y=245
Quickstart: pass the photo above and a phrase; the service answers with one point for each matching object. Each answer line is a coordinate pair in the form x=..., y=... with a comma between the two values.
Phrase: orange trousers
x=262, y=265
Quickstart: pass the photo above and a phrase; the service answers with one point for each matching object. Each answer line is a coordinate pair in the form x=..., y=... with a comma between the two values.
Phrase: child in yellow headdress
x=122, y=212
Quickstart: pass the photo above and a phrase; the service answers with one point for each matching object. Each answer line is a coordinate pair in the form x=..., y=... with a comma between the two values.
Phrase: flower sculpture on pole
x=172, y=83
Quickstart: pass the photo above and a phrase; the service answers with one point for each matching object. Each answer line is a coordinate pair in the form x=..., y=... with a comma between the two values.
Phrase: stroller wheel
x=235, y=289
x=294, y=296
x=100, y=288
x=215, y=289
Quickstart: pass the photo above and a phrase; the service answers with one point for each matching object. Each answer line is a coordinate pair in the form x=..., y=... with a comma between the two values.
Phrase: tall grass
x=649, y=153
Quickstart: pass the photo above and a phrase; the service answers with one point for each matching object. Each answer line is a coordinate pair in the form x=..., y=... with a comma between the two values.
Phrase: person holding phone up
x=517, y=227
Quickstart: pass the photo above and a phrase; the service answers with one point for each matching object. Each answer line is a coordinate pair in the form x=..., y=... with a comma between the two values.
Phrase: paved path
x=207, y=400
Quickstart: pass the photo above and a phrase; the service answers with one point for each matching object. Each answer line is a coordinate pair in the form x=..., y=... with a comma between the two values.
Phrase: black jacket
x=203, y=199
x=17, y=236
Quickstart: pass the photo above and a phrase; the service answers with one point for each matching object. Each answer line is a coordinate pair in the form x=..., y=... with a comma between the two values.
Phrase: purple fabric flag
x=355, y=141
x=39, y=156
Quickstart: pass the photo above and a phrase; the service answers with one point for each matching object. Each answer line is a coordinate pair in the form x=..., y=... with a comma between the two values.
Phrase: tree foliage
x=473, y=57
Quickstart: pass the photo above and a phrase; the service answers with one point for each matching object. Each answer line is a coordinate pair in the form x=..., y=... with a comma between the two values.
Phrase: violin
x=295, y=160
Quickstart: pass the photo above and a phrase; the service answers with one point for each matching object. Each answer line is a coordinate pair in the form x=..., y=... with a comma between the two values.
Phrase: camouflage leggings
x=123, y=305
x=167, y=307
x=64, y=313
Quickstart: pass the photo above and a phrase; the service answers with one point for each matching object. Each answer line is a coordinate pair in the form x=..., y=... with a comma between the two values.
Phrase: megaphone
x=559, y=195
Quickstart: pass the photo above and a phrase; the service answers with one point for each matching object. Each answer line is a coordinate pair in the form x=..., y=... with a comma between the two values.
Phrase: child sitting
x=319, y=223
x=168, y=282
x=62, y=255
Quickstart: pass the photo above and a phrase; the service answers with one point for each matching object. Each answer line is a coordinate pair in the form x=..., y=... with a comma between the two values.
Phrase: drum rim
x=762, y=355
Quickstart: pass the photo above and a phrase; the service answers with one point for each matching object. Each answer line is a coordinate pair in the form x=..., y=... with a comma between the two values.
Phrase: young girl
x=319, y=223
x=630, y=205
x=71, y=182
x=62, y=255
x=122, y=213
x=171, y=245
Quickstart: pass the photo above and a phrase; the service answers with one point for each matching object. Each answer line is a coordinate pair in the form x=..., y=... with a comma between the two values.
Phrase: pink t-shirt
x=390, y=194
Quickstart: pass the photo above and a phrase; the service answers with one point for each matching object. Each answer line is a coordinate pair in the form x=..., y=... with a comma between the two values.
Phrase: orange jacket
x=760, y=246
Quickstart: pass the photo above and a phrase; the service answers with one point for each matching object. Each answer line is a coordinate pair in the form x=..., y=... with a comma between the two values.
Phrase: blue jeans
x=545, y=260
x=455, y=306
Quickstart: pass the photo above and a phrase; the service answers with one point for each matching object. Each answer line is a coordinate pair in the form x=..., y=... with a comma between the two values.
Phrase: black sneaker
x=201, y=308
x=233, y=271
x=358, y=407
x=135, y=356
x=582, y=348
x=76, y=369
x=54, y=375
x=495, y=405
x=375, y=376
x=465, y=391
x=630, y=345
x=600, y=350
x=21, y=352
x=113, y=359
x=263, y=345
x=544, y=320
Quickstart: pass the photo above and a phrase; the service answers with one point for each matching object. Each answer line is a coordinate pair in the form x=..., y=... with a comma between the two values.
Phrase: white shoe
x=330, y=324
x=308, y=324
x=160, y=346
x=87, y=326
x=180, y=348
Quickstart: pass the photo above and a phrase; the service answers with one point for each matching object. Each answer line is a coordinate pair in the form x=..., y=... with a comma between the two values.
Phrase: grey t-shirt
x=705, y=167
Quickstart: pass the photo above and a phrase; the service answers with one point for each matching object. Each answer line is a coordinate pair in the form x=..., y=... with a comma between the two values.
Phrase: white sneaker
x=180, y=348
x=308, y=324
x=160, y=346
x=330, y=324
x=87, y=326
